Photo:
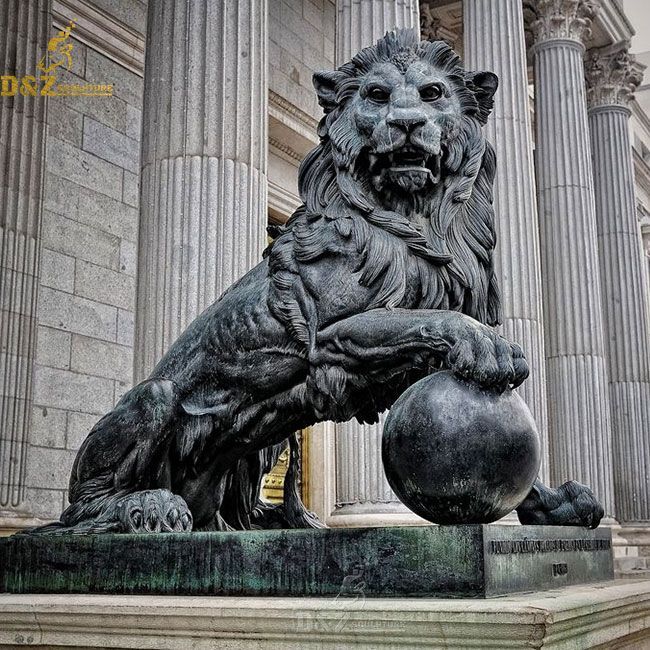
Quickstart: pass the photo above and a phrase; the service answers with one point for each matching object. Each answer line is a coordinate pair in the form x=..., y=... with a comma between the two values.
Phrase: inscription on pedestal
x=503, y=547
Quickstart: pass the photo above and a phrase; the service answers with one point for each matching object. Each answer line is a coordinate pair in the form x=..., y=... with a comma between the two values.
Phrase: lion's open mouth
x=407, y=161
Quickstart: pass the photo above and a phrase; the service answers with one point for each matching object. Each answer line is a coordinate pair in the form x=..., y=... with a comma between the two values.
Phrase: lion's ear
x=485, y=85
x=325, y=84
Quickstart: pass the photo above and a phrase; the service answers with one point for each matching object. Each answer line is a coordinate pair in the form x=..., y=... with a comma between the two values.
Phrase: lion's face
x=407, y=120
x=400, y=118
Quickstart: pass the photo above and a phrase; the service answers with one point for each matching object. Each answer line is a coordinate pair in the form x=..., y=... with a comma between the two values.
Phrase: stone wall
x=301, y=41
x=84, y=358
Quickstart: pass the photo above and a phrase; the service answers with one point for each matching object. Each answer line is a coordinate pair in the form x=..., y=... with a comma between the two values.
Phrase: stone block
x=84, y=168
x=69, y=390
x=60, y=195
x=313, y=13
x=131, y=189
x=110, y=111
x=76, y=314
x=48, y=427
x=328, y=51
x=425, y=561
x=314, y=59
x=120, y=389
x=133, y=122
x=104, y=285
x=50, y=469
x=44, y=503
x=106, y=214
x=294, y=21
x=128, y=257
x=64, y=123
x=53, y=348
x=78, y=240
x=57, y=270
x=79, y=426
x=110, y=145
x=130, y=12
x=126, y=84
x=125, y=327
x=101, y=359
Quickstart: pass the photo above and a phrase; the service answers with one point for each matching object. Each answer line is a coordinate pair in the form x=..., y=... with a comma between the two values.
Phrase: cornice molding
x=285, y=151
x=284, y=108
x=102, y=32
x=282, y=203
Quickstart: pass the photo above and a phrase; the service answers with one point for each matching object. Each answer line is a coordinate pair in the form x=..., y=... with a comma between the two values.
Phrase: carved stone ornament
x=383, y=276
x=560, y=19
x=612, y=76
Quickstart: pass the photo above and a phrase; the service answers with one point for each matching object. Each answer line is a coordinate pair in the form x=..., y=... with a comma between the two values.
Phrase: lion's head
x=402, y=146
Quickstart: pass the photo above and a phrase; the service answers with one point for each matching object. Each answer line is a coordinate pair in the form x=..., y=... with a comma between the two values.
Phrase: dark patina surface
x=447, y=561
x=383, y=275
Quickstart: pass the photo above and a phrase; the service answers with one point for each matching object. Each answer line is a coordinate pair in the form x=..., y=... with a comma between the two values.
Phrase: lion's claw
x=480, y=354
x=153, y=511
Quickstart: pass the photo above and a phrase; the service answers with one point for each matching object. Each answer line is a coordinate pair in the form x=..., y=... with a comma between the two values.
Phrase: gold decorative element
x=273, y=487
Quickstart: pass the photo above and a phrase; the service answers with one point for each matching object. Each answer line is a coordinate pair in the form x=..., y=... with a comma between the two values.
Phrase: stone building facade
x=123, y=216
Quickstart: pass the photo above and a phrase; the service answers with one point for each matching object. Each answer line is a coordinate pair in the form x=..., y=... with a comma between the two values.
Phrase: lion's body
x=383, y=274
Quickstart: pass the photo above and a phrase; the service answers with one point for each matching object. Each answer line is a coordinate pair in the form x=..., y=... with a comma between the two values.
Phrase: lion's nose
x=406, y=120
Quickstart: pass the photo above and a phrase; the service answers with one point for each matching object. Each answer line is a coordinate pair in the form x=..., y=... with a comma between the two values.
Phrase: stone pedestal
x=25, y=28
x=363, y=496
x=479, y=561
x=579, y=416
x=517, y=255
x=611, y=77
x=204, y=157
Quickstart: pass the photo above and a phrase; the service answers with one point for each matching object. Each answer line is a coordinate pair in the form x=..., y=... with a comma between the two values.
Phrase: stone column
x=363, y=496
x=204, y=159
x=579, y=416
x=517, y=260
x=359, y=23
x=24, y=27
x=611, y=79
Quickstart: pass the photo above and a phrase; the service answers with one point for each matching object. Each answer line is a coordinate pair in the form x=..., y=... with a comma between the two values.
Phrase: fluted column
x=579, y=416
x=359, y=23
x=517, y=259
x=363, y=496
x=24, y=29
x=204, y=161
x=611, y=79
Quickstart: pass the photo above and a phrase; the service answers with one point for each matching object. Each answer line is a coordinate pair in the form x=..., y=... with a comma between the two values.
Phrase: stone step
x=631, y=564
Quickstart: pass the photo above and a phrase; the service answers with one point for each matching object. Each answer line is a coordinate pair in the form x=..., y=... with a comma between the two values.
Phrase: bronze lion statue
x=383, y=275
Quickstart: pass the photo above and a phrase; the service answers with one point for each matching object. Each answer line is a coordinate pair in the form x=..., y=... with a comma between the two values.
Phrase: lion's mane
x=452, y=252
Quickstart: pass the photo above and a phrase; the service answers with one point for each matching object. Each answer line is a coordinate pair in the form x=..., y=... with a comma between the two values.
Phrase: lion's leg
x=120, y=477
x=379, y=343
x=572, y=504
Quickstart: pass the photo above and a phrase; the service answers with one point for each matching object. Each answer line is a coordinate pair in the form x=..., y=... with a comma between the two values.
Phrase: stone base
x=611, y=615
x=448, y=561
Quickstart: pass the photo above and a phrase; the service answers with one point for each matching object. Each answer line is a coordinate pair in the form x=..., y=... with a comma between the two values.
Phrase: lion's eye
x=431, y=92
x=378, y=94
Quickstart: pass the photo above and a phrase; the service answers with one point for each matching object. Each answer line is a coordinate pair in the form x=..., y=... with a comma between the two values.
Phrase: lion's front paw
x=481, y=355
x=153, y=511
x=572, y=504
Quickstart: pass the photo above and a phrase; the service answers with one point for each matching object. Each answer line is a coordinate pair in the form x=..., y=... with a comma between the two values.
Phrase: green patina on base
x=435, y=561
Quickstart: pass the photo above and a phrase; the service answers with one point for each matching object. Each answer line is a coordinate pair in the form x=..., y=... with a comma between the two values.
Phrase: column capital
x=559, y=19
x=612, y=75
